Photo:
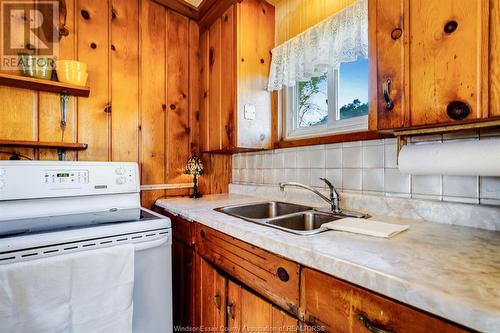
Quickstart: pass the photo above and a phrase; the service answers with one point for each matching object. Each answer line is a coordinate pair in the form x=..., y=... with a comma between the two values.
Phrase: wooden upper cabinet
x=431, y=61
x=235, y=60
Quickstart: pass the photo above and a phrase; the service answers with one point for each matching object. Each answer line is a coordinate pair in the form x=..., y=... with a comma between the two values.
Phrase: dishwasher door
x=153, y=286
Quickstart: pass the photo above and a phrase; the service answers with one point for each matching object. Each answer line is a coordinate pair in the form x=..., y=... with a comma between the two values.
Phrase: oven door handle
x=151, y=244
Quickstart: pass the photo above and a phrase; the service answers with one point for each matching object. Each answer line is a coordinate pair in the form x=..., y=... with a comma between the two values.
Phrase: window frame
x=335, y=125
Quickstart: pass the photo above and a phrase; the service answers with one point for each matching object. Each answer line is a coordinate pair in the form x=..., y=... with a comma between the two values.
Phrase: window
x=334, y=102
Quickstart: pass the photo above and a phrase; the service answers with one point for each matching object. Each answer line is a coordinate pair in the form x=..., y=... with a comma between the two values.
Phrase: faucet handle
x=328, y=183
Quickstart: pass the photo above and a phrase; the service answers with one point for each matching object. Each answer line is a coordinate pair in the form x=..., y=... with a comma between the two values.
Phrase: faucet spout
x=334, y=196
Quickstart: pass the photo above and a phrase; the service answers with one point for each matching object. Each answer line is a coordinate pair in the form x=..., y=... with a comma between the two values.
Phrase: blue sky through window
x=353, y=85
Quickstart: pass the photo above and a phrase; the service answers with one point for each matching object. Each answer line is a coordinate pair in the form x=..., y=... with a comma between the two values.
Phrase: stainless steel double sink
x=297, y=219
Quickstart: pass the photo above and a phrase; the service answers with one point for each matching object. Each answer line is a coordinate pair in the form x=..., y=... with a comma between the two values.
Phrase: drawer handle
x=369, y=326
x=230, y=310
x=389, y=103
x=218, y=301
x=211, y=56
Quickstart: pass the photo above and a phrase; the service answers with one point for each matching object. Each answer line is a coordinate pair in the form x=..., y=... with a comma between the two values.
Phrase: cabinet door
x=387, y=51
x=211, y=297
x=448, y=60
x=248, y=311
x=337, y=306
x=183, y=284
x=255, y=39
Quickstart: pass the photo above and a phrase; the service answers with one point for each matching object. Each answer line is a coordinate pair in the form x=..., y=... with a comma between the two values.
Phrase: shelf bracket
x=64, y=109
x=61, y=153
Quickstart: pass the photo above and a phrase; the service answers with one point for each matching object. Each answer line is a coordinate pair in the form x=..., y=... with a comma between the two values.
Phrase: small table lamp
x=194, y=167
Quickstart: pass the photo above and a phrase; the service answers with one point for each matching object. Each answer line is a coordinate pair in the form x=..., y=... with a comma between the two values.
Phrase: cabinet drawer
x=338, y=305
x=268, y=274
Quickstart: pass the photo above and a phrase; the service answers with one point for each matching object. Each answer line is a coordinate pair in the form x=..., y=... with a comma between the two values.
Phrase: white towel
x=88, y=292
x=366, y=227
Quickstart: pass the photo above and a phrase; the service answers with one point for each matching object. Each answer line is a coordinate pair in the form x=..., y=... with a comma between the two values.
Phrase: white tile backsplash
x=315, y=181
x=335, y=177
x=390, y=156
x=396, y=182
x=333, y=158
x=373, y=156
x=490, y=187
x=369, y=167
x=426, y=185
x=373, y=180
x=352, y=157
x=461, y=186
x=351, y=180
x=278, y=161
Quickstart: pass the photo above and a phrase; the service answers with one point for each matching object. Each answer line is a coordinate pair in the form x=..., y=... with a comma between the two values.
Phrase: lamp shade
x=194, y=166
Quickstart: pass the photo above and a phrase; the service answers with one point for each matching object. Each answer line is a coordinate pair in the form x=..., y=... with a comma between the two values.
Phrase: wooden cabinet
x=247, y=311
x=183, y=274
x=211, y=297
x=237, y=286
x=270, y=275
x=224, y=305
x=341, y=307
x=431, y=62
x=235, y=58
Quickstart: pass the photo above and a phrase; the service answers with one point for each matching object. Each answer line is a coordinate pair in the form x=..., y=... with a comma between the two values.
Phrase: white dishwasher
x=50, y=208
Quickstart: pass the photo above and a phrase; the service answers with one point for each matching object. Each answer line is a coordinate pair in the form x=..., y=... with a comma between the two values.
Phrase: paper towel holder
x=403, y=136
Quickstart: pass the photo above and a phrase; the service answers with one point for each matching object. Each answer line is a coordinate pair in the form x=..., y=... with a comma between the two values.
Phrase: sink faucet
x=334, y=195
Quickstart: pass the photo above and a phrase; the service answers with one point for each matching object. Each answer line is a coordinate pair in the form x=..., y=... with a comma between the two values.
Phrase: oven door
x=153, y=286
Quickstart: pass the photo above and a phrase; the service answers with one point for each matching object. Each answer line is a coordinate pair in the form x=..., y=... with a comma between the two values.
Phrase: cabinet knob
x=85, y=14
x=389, y=103
x=396, y=33
x=450, y=26
x=458, y=110
x=283, y=274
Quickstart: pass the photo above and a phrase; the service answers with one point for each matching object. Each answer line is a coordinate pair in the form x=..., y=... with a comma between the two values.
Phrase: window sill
x=335, y=138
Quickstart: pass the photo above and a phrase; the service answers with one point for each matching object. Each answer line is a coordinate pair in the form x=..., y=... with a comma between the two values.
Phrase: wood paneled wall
x=296, y=16
x=143, y=61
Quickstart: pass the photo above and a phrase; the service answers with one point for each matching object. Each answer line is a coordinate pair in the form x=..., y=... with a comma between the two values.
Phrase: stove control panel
x=65, y=177
x=45, y=179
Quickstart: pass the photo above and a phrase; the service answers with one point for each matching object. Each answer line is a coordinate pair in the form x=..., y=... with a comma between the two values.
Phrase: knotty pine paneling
x=146, y=58
x=153, y=105
x=177, y=113
x=125, y=80
x=93, y=49
x=296, y=16
x=49, y=104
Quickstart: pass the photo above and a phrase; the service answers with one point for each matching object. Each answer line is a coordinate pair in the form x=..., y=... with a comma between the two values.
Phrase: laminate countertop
x=450, y=271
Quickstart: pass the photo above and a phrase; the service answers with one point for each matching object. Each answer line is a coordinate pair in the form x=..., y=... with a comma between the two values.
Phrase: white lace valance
x=340, y=38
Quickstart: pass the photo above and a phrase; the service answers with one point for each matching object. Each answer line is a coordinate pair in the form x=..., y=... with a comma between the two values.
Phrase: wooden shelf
x=18, y=81
x=47, y=145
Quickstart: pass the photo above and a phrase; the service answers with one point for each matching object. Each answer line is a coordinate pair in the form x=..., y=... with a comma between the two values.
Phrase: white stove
x=50, y=208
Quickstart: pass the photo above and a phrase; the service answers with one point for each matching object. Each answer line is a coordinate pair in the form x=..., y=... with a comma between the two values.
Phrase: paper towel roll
x=458, y=158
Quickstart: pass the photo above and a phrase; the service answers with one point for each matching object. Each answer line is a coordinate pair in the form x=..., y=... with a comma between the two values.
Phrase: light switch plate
x=249, y=113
